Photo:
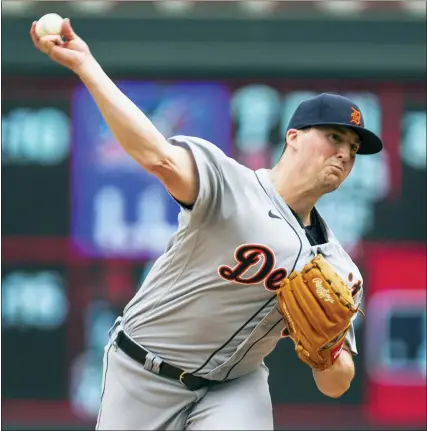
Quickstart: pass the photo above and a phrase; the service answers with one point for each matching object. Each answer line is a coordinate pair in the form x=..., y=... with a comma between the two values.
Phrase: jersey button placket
x=265, y=323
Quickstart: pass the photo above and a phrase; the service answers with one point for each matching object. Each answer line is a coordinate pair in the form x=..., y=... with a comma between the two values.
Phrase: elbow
x=335, y=381
x=336, y=392
x=338, y=386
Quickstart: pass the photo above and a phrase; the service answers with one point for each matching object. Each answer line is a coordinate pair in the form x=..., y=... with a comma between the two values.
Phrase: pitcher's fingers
x=48, y=42
x=54, y=46
x=67, y=31
x=55, y=38
x=56, y=53
x=34, y=36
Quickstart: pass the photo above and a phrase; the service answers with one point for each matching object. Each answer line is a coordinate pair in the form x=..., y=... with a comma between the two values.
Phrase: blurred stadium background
x=81, y=223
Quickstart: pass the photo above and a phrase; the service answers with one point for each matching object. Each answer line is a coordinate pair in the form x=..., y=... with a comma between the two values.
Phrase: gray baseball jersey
x=208, y=304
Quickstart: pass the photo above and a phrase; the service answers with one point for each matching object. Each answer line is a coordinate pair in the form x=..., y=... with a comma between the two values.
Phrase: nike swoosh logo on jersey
x=272, y=215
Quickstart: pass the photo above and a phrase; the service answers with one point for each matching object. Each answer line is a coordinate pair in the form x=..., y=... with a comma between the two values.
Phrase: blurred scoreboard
x=82, y=224
x=395, y=333
x=118, y=209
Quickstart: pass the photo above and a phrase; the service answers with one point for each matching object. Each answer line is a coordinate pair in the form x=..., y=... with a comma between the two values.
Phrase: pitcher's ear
x=291, y=137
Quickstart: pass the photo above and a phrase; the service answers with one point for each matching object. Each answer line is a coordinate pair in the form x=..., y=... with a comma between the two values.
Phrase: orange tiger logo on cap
x=356, y=116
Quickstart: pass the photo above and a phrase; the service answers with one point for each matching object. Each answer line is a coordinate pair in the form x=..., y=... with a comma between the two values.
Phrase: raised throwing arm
x=173, y=165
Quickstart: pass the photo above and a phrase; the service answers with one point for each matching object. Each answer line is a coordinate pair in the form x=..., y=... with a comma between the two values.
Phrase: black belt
x=139, y=354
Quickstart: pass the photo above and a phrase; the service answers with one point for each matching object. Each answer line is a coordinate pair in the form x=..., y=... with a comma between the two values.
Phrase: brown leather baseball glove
x=317, y=307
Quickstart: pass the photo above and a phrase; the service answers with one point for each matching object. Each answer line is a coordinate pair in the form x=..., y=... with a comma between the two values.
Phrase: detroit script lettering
x=249, y=255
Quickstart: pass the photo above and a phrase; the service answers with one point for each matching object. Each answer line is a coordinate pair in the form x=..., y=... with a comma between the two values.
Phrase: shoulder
x=196, y=142
x=202, y=148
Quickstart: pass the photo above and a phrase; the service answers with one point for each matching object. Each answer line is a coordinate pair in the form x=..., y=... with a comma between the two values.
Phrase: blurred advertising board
x=395, y=333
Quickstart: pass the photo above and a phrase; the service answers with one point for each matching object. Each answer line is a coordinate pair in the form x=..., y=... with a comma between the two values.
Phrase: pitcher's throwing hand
x=69, y=50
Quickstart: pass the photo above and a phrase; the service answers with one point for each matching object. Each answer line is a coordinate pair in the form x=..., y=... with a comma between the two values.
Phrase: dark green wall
x=390, y=48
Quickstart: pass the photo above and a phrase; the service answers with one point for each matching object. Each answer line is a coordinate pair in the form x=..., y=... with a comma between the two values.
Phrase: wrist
x=343, y=361
x=87, y=68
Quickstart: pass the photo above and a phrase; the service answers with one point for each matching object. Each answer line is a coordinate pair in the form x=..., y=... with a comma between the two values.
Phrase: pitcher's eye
x=335, y=137
x=355, y=148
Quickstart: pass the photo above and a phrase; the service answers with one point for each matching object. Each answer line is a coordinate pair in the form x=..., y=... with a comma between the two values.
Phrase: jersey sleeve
x=216, y=175
x=350, y=338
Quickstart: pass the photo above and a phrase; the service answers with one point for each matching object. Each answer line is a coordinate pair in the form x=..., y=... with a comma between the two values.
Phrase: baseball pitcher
x=252, y=261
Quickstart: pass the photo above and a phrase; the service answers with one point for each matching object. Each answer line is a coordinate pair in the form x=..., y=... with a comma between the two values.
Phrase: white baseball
x=49, y=24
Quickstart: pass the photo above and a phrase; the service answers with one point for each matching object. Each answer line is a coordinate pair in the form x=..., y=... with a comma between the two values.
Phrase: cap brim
x=370, y=143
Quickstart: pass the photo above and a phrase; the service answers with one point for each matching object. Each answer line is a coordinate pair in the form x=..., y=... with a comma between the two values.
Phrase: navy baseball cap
x=333, y=110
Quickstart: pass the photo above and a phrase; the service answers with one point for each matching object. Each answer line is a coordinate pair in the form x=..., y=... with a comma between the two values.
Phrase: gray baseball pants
x=136, y=399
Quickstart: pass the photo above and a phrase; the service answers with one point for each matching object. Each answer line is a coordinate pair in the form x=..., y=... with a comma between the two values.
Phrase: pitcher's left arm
x=335, y=381
x=319, y=311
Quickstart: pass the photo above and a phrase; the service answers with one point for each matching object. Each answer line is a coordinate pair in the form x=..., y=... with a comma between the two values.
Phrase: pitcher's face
x=329, y=153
